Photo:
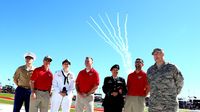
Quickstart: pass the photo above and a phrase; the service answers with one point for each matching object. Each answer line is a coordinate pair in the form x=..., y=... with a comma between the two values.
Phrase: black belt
x=41, y=90
x=24, y=87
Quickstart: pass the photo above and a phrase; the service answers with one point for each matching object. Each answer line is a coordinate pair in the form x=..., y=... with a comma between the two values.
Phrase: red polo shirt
x=137, y=84
x=87, y=80
x=43, y=79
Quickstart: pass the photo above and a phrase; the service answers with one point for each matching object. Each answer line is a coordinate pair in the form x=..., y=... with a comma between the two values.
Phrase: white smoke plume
x=114, y=37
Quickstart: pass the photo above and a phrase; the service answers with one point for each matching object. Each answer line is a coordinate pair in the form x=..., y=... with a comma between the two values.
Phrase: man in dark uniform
x=115, y=90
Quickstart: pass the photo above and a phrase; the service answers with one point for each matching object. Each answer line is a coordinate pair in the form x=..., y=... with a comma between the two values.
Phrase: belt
x=41, y=90
x=25, y=87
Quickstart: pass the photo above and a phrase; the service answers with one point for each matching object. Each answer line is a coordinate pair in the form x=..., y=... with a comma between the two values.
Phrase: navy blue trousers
x=22, y=95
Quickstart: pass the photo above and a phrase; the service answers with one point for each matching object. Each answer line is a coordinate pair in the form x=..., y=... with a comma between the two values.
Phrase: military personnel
x=115, y=90
x=21, y=79
x=63, y=86
x=166, y=82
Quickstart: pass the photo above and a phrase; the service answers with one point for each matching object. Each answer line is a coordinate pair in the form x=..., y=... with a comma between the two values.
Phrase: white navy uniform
x=60, y=80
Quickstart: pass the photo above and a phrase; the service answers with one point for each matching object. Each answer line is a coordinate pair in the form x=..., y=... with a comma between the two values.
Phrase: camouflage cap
x=157, y=50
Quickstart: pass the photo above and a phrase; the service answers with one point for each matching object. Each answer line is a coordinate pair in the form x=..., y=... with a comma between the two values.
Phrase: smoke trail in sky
x=113, y=35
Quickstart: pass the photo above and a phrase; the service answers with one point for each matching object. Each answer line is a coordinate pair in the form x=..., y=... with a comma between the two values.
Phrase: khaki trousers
x=134, y=104
x=87, y=102
x=41, y=102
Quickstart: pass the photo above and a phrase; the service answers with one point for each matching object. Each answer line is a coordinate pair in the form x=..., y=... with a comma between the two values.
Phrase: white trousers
x=58, y=100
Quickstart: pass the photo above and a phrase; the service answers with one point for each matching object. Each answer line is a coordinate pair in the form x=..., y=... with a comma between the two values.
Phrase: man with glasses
x=63, y=86
x=41, y=82
x=86, y=84
x=21, y=79
x=138, y=88
x=166, y=82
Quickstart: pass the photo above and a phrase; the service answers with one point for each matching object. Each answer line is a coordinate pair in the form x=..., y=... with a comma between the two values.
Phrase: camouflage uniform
x=166, y=83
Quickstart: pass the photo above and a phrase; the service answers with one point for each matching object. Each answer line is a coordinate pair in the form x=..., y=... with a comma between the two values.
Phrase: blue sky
x=60, y=29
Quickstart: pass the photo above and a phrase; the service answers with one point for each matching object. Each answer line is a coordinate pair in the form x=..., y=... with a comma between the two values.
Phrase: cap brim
x=48, y=59
x=29, y=56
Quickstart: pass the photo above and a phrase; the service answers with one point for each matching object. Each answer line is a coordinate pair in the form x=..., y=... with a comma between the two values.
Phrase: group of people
x=36, y=86
x=163, y=80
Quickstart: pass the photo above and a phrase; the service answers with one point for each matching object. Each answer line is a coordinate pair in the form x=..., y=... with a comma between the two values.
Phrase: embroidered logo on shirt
x=139, y=77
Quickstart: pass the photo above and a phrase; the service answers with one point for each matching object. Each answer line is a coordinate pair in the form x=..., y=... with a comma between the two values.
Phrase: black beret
x=114, y=66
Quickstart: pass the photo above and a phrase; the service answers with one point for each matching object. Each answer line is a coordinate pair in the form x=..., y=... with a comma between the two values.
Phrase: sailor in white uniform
x=63, y=86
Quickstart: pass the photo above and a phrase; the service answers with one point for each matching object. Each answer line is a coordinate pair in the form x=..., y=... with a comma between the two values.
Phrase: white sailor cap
x=30, y=54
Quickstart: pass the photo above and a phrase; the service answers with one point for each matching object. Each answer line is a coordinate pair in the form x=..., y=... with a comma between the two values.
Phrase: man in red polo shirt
x=138, y=88
x=41, y=81
x=86, y=84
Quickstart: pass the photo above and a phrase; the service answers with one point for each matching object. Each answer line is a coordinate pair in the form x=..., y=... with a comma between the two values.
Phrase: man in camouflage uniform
x=166, y=82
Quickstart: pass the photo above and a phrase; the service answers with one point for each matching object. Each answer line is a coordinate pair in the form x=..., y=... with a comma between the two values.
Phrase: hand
x=33, y=95
x=120, y=91
x=146, y=92
x=62, y=94
x=84, y=94
x=114, y=93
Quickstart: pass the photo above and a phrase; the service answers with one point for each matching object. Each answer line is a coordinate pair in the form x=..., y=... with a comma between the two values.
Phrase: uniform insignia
x=90, y=74
x=119, y=81
x=109, y=81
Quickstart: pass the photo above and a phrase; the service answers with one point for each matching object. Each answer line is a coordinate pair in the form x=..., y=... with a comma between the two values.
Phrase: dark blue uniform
x=114, y=103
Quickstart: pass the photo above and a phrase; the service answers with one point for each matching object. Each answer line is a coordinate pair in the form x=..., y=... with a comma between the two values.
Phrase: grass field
x=7, y=95
x=4, y=101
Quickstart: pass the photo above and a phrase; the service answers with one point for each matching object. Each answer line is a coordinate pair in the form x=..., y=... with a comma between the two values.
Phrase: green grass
x=7, y=95
x=3, y=101
x=72, y=110
x=6, y=101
